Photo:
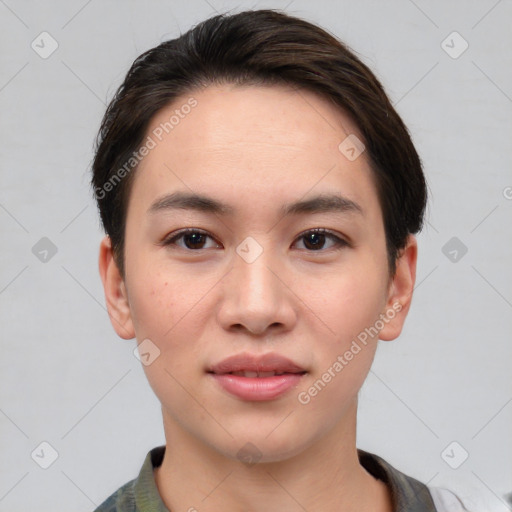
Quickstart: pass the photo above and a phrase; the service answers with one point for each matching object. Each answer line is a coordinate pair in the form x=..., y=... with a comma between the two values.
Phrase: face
x=283, y=269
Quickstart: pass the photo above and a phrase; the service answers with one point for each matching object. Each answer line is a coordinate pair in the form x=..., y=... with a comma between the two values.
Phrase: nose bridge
x=254, y=297
x=253, y=261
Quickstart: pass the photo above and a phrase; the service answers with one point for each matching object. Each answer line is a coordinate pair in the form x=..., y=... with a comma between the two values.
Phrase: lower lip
x=259, y=388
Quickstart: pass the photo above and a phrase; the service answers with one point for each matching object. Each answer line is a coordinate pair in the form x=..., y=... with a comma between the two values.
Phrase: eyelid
x=175, y=235
x=339, y=240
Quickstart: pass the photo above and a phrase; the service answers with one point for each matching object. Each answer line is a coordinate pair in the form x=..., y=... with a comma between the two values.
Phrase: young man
x=260, y=197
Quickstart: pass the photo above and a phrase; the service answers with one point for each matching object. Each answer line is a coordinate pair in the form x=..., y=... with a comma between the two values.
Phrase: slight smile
x=257, y=377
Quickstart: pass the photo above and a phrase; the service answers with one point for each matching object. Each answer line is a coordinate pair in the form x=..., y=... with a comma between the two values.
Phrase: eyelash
x=171, y=240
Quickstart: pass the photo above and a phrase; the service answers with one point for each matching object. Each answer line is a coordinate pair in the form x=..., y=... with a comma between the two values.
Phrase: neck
x=324, y=477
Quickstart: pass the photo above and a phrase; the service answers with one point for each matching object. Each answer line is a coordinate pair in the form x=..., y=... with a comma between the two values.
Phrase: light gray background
x=68, y=380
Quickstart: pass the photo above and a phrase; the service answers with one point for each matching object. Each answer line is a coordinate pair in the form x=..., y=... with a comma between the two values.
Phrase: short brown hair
x=255, y=48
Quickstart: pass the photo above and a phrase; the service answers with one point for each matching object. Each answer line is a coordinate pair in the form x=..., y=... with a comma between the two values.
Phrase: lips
x=249, y=374
x=256, y=378
x=268, y=363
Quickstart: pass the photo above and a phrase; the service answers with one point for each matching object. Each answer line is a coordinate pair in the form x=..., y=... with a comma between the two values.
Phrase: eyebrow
x=190, y=201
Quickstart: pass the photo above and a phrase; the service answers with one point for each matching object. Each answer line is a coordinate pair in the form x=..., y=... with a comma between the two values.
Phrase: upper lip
x=256, y=363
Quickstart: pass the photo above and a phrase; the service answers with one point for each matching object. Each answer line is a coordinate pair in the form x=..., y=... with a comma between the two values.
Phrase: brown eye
x=314, y=240
x=192, y=239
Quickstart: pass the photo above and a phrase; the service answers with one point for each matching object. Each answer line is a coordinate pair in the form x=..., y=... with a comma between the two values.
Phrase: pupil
x=315, y=239
x=195, y=238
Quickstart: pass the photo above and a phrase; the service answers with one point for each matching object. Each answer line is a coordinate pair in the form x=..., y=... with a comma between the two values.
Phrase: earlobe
x=400, y=291
x=115, y=292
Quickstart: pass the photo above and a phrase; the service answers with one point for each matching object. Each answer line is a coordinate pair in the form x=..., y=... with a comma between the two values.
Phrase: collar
x=407, y=493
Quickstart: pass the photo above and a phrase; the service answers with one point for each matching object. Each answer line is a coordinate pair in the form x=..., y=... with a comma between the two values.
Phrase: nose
x=256, y=297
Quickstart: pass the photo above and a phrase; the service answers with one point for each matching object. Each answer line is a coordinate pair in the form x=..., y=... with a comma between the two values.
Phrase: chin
x=258, y=447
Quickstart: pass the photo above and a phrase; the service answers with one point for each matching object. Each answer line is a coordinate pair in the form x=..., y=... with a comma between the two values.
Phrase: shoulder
x=123, y=500
x=446, y=501
x=410, y=494
x=141, y=493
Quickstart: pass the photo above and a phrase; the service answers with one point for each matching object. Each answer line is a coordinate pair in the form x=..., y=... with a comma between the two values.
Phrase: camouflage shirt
x=408, y=494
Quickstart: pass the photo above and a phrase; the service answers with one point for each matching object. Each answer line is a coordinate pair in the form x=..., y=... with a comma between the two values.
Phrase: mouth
x=247, y=365
x=258, y=374
x=256, y=378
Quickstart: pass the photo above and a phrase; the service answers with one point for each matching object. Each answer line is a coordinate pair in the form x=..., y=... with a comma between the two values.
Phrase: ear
x=400, y=291
x=116, y=297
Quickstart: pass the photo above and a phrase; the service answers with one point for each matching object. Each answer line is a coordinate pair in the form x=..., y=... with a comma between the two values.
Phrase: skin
x=257, y=148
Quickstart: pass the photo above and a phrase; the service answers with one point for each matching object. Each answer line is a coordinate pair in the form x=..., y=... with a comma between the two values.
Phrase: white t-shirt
x=446, y=501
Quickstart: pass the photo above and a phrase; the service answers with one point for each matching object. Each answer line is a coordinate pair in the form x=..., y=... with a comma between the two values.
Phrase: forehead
x=257, y=141
x=230, y=115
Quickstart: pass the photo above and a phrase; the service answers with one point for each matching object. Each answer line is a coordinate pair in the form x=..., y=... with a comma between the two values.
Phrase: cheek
x=173, y=310
x=153, y=306
x=349, y=301
x=167, y=310
x=349, y=306
x=344, y=357
x=163, y=299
